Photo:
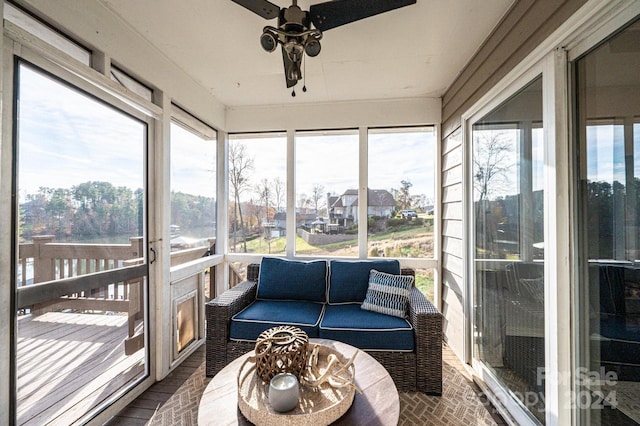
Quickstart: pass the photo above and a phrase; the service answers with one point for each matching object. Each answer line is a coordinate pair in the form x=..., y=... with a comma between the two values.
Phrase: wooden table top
x=378, y=404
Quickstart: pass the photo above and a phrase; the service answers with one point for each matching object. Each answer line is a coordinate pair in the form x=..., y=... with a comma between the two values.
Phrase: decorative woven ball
x=281, y=349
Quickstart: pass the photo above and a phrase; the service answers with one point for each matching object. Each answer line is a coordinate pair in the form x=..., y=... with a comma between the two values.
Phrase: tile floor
x=174, y=401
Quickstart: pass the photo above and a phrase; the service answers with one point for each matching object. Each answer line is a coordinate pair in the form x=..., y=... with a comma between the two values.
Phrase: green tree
x=404, y=196
x=57, y=207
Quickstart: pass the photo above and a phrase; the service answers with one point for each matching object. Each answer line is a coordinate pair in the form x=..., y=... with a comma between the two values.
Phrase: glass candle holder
x=284, y=392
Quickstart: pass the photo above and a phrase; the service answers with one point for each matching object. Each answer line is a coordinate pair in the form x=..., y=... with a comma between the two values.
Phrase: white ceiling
x=415, y=51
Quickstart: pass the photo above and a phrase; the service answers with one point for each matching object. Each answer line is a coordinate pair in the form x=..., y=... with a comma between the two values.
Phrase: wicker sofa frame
x=420, y=370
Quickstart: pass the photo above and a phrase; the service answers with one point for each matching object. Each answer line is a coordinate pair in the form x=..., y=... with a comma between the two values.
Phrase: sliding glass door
x=81, y=274
x=608, y=147
x=508, y=248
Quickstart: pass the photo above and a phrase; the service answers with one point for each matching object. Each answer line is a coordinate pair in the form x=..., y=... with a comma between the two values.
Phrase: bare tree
x=240, y=165
x=265, y=194
x=279, y=192
x=491, y=161
x=303, y=201
x=318, y=196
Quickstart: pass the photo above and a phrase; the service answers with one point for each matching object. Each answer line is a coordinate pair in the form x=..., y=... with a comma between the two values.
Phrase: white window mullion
x=291, y=194
x=363, y=202
x=7, y=230
x=557, y=226
x=222, y=206
x=159, y=240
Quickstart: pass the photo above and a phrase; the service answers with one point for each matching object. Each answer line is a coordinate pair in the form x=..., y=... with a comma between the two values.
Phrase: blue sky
x=193, y=161
x=606, y=152
x=66, y=138
x=332, y=160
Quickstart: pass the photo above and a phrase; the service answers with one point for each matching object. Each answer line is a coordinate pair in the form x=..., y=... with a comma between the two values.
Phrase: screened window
x=327, y=201
x=257, y=193
x=193, y=194
x=401, y=202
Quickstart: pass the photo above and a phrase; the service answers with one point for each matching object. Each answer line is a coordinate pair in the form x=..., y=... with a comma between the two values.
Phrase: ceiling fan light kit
x=300, y=32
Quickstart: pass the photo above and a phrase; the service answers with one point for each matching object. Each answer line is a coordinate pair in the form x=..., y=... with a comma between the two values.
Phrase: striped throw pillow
x=388, y=294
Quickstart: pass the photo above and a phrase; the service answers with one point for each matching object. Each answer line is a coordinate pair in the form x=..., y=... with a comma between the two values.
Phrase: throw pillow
x=388, y=294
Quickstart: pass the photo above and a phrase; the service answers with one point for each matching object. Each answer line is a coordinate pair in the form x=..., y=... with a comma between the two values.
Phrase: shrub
x=396, y=221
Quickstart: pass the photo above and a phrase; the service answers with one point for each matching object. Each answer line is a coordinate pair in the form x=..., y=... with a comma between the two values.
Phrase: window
x=401, y=201
x=608, y=147
x=81, y=202
x=257, y=193
x=509, y=333
x=193, y=193
x=327, y=204
x=326, y=194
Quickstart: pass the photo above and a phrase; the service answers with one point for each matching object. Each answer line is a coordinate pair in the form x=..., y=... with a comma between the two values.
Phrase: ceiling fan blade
x=263, y=8
x=334, y=13
x=287, y=65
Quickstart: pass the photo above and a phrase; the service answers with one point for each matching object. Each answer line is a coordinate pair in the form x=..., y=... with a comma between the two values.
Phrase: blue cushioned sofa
x=324, y=299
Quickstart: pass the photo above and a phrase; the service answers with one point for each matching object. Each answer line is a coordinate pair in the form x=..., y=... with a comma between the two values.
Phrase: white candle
x=284, y=392
x=284, y=381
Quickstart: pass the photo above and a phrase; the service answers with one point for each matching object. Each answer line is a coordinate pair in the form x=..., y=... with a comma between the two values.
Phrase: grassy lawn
x=424, y=282
x=402, y=234
x=424, y=277
x=278, y=245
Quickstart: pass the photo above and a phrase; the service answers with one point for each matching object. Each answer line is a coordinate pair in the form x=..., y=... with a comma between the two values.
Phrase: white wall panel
x=399, y=112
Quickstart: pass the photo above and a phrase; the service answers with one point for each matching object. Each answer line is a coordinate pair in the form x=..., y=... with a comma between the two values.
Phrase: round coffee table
x=378, y=404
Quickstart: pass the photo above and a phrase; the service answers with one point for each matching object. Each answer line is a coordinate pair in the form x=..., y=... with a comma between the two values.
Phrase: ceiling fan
x=296, y=34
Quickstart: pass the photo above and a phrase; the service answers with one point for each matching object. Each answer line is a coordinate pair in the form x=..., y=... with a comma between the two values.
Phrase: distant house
x=343, y=209
x=302, y=219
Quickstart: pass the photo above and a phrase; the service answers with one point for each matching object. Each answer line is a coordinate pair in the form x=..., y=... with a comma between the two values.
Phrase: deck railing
x=54, y=261
x=50, y=262
x=89, y=277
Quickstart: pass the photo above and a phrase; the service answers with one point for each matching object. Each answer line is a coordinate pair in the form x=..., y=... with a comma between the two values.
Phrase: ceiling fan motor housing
x=294, y=31
x=293, y=19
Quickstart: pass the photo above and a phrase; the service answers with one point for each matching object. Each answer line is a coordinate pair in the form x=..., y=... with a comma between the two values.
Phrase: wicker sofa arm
x=218, y=313
x=235, y=299
x=427, y=323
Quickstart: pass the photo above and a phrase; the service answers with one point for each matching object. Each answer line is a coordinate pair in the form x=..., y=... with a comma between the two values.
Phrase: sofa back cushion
x=281, y=279
x=349, y=280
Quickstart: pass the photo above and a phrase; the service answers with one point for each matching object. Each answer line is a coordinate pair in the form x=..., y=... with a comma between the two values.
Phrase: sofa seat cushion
x=282, y=279
x=365, y=329
x=349, y=280
x=264, y=314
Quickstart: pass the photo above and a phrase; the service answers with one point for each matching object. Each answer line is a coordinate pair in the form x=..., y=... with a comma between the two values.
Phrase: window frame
x=583, y=30
x=498, y=394
x=362, y=131
x=77, y=77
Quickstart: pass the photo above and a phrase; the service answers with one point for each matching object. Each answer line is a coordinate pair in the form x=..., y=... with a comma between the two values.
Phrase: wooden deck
x=70, y=363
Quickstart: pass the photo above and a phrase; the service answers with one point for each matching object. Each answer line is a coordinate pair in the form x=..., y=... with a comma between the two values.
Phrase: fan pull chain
x=304, y=73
